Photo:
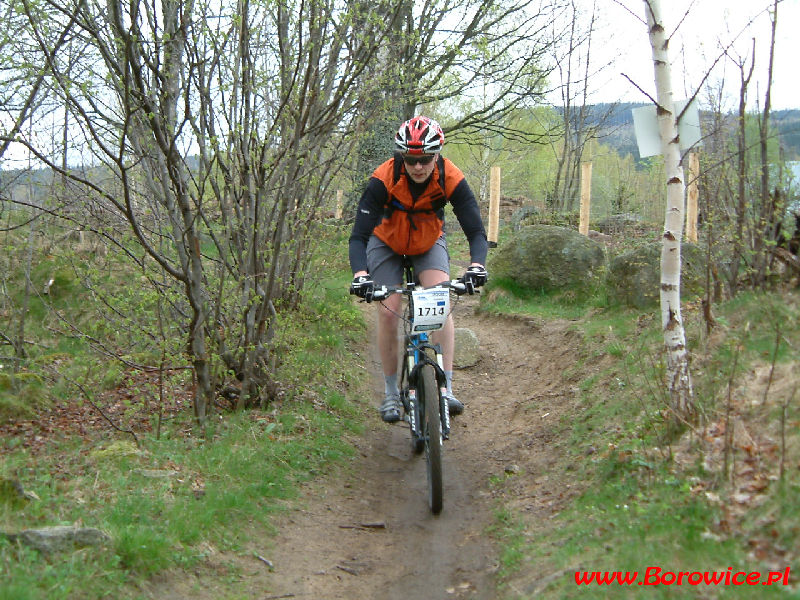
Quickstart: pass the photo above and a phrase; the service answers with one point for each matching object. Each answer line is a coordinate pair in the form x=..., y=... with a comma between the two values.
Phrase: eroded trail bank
x=367, y=532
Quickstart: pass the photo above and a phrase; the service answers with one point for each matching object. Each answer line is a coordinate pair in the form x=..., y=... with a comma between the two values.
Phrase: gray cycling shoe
x=454, y=406
x=390, y=409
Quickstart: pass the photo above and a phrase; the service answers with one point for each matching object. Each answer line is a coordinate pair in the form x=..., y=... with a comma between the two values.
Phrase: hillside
x=619, y=134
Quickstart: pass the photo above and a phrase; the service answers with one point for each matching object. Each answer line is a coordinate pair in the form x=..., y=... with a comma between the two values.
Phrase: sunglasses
x=425, y=159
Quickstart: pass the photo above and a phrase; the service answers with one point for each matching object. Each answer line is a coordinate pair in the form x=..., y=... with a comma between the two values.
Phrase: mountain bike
x=422, y=380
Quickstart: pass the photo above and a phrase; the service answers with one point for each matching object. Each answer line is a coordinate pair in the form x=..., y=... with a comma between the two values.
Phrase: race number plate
x=431, y=308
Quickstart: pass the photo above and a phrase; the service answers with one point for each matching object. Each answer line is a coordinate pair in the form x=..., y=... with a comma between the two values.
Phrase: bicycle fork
x=415, y=358
x=444, y=409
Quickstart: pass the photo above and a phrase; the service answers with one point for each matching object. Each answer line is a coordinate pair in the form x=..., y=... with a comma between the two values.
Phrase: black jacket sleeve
x=368, y=214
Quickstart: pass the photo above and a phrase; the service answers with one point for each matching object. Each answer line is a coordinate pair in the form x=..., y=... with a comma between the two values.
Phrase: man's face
x=419, y=166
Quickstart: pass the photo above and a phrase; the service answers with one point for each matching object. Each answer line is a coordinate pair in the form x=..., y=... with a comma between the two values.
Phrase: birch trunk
x=679, y=380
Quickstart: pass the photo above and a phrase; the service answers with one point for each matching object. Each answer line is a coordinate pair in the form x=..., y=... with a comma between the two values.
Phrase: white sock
x=449, y=376
x=390, y=385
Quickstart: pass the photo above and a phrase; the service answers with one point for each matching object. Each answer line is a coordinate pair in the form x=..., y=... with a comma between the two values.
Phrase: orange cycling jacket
x=411, y=223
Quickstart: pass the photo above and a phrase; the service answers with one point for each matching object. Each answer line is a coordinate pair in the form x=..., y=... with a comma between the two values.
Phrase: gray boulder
x=524, y=215
x=467, y=351
x=634, y=277
x=547, y=258
x=620, y=224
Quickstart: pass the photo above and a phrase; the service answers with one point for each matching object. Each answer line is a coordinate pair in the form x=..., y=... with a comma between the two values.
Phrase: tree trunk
x=679, y=381
x=19, y=341
x=741, y=211
x=765, y=226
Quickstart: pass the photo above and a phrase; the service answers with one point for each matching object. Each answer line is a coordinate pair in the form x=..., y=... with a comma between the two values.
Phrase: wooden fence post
x=339, y=197
x=494, y=206
x=586, y=197
x=692, y=193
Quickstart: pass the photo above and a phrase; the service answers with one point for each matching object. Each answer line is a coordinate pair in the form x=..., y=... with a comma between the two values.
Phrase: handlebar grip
x=378, y=294
x=459, y=287
x=465, y=286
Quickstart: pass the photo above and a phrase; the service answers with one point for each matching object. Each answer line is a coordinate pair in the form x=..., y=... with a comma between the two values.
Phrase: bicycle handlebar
x=459, y=286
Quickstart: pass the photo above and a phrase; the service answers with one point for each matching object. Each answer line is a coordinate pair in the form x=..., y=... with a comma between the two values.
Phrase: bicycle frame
x=418, y=350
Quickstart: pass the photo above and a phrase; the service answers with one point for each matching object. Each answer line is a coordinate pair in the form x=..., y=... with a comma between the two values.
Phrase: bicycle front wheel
x=432, y=434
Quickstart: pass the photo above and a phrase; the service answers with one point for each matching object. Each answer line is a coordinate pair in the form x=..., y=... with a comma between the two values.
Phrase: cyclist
x=401, y=212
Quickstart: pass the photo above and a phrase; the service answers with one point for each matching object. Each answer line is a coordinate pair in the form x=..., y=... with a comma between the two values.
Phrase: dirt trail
x=369, y=533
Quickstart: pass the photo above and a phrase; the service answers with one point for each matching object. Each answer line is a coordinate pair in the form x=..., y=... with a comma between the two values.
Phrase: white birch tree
x=679, y=380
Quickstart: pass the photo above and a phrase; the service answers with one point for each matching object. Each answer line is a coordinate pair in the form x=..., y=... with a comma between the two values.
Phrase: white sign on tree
x=648, y=138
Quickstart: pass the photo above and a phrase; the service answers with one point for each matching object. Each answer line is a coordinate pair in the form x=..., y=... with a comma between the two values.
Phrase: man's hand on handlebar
x=363, y=287
x=475, y=277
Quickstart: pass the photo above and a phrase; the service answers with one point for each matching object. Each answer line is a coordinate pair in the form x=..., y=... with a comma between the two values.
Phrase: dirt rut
x=368, y=532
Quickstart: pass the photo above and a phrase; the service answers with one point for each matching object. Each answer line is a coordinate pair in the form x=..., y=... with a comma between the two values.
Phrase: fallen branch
x=377, y=525
x=267, y=562
x=347, y=570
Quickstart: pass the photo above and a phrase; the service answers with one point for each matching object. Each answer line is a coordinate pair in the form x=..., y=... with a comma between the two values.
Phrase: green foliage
x=526, y=168
x=164, y=505
x=505, y=297
x=761, y=327
x=620, y=183
x=642, y=507
x=140, y=549
x=74, y=309
x=328, y=324
x=21, y=394
x=660, y=526
x=509, y=529
x=174, y=499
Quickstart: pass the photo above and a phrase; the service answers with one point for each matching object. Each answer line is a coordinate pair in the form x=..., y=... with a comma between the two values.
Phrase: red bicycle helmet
x=420, y=135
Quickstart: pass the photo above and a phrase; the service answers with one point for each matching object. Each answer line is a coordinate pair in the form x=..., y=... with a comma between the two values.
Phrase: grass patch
x=21, y=394
x=509, y=529
x=178, y=498
x=166, y=503
x=655, y=499
x=506, y=298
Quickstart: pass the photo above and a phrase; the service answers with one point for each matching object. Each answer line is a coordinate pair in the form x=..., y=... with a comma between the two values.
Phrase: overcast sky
x=709, y=25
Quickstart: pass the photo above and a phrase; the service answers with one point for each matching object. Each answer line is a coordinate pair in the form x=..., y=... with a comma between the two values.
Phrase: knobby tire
x=417, y=438
x=432, y=432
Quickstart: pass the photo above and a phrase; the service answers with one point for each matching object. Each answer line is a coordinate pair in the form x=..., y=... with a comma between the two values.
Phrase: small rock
x=708, y=535
x=158, y=473
x=467, y=348
x=512, y=469
x=59, y=538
